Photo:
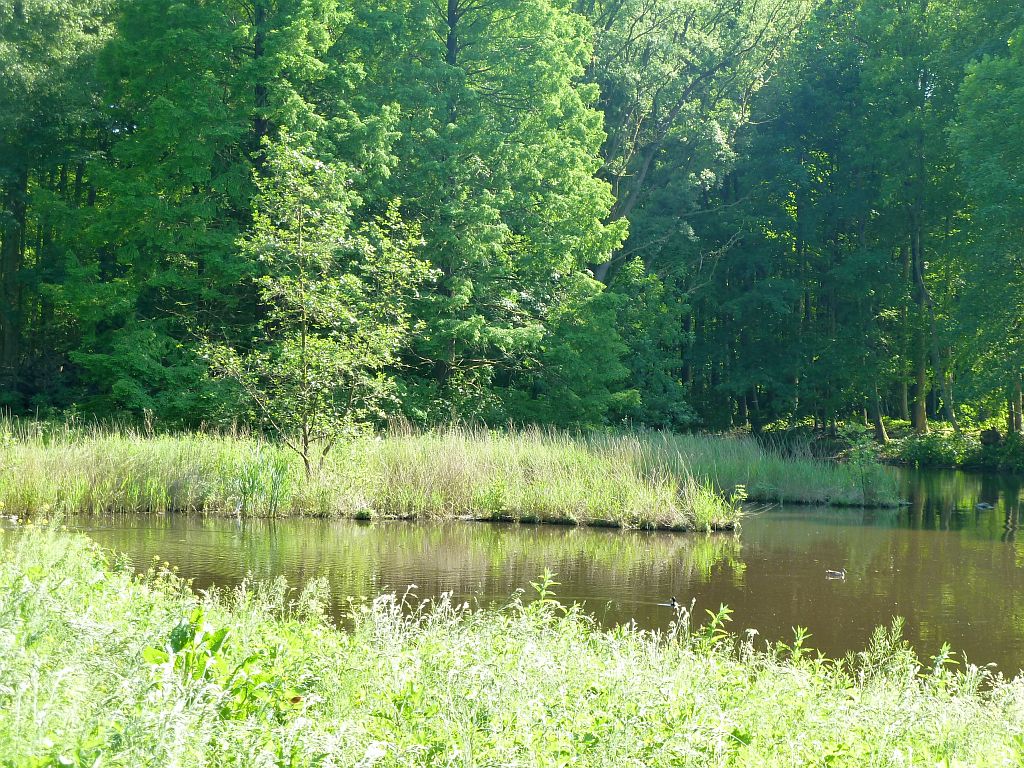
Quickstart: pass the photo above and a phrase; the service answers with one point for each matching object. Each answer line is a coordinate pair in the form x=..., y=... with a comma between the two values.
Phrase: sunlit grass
x=769, y=474
x=86, y=678
x=529, y=475
x=641, y=480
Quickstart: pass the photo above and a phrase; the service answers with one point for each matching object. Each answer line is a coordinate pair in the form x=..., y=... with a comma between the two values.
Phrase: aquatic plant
x=766, y=473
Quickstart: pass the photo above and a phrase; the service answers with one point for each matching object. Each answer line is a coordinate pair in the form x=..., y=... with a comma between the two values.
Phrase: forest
x=511, y=383
x=672, y=214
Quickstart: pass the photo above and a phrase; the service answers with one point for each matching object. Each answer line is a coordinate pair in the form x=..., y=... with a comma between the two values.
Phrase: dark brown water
x=954, y=572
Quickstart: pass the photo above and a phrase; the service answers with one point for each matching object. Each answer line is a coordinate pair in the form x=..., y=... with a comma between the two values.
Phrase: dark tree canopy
x=668, y=213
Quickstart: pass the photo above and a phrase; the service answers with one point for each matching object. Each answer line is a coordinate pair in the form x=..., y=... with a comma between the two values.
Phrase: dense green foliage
x=948, y=449
x=100, y=664
x=670, y=213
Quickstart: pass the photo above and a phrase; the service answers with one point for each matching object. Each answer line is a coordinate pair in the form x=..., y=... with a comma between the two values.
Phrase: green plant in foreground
x=193, y=658
x=98, y=664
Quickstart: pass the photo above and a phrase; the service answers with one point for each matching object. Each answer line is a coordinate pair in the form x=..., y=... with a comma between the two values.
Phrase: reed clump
x=99, y=666
x=627, y=480
x=786, y=475
x=528, y=475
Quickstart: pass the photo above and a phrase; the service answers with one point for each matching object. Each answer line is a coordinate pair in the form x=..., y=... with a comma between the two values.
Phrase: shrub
x=936, y=449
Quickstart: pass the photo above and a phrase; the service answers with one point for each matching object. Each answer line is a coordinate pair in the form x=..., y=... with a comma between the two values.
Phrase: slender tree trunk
x=452, y=37
x=904, y=401
x=948, y=406
x=920, y=413
x=12, y=253
x=1018, y=399
x=686, y=372
x=756, y=421
x=875, y=412
x=919, y=416
x=260, y=121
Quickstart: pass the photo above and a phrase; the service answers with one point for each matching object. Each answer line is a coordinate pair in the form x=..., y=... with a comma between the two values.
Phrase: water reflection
x=954, y=571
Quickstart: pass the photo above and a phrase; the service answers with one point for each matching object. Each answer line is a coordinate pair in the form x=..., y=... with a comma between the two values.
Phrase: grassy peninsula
x=643, y=480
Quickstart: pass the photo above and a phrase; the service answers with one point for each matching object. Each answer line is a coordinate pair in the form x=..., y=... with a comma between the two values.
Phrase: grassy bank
x=943, y=448
x=529, y=476
x=99, y=667
x=767, y=474
x=630, y=480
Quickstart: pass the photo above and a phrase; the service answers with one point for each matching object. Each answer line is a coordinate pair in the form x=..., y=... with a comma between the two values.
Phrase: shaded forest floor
x=941, y=448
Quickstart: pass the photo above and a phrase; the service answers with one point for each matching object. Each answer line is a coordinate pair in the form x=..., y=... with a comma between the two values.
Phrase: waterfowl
x=830, y=574
x=673, y=603
x=984, y=505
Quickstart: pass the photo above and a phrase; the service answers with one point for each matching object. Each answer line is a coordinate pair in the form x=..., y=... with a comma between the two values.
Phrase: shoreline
x=139, y=670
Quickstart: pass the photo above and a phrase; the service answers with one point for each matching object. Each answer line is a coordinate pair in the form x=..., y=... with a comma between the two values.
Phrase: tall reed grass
x=99, y=667
x=632, y=480
x=783, y=474
x=530, y=476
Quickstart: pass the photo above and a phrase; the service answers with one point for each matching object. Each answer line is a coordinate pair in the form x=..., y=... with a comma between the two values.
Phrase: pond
x=953, y=571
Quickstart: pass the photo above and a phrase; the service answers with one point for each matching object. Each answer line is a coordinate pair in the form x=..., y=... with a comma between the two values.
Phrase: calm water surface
x=955, y=573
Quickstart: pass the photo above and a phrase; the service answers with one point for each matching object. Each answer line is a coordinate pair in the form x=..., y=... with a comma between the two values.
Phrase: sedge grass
x=528, y=476
x=631, y=480
x=99, y=666
x=765, y=473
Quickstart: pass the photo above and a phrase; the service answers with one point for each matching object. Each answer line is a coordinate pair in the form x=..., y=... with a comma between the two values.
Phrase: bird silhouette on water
x=673, y=603
x=840, y=574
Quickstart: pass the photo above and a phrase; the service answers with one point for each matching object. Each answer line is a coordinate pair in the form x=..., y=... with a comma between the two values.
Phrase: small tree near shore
x=333, y=295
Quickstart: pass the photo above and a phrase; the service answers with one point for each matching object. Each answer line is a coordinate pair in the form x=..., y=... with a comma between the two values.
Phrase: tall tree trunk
x=260, y=121
x=451, y=54
x=875, y=412
x=948, y=406
x=904, y=401
x=12, y=253
x=919, y=416
x=920, y=413
x=1018, y=398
